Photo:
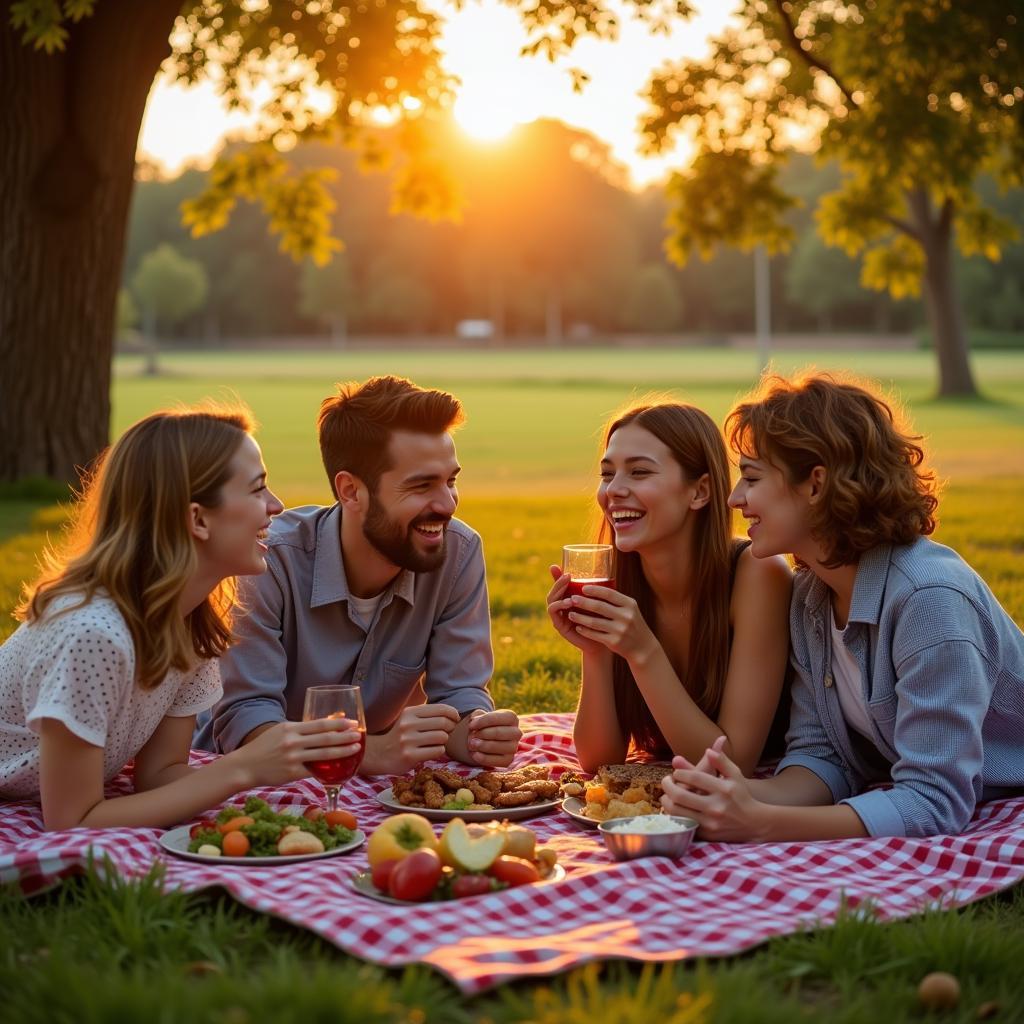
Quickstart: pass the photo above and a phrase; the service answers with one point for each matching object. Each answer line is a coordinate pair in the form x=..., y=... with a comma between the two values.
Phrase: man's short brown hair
x=356, y=424
x=875, y=490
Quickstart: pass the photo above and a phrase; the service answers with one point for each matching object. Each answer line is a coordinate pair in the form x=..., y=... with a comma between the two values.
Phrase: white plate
x=386, y=798
x=177, y=839
x=363, y=884
x=573, y=806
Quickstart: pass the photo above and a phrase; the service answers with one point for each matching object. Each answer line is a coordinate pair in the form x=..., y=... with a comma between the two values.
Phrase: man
x=383, y=589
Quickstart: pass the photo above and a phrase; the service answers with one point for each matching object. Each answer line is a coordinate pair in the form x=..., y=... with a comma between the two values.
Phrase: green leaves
x=298, y=207
x=726, y=197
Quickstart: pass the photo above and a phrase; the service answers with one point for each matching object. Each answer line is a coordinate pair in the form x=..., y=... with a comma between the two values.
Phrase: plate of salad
x=254, y=833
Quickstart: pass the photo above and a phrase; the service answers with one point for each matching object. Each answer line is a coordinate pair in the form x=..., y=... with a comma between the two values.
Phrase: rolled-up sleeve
x=944, y=688
x=460, y=661
x=807, y=742
x=255, y=670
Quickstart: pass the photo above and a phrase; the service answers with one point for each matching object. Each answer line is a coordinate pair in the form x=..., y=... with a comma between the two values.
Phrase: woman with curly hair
x=908, y=671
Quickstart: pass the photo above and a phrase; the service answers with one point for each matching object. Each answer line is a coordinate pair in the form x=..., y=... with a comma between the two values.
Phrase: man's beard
x=396, y=544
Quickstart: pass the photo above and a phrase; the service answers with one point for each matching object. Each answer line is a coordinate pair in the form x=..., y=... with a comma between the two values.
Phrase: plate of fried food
x=440, y=794
x=615, y=791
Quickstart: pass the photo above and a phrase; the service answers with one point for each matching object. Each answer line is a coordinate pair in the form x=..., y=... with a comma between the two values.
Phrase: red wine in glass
x=337, y=770
x=336, y=702
x=576, y=585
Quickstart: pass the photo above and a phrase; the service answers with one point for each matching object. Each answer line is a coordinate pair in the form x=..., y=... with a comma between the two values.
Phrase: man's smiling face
x=414, y=501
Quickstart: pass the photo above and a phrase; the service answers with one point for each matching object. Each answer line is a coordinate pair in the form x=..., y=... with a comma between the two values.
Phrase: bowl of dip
x=648, y=835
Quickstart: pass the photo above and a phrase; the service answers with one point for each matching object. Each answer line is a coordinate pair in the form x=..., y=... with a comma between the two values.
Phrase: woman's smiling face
x=644, y=493
x=776, y=513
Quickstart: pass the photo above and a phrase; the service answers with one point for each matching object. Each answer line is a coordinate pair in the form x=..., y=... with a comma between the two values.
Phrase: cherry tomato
x=314, y=812
x=346, y=819
x=235, y=844
x=414, y=877
x=381, y=873
x=470, y=885
x=234, y=824
x=514, y=871
x=203, y=825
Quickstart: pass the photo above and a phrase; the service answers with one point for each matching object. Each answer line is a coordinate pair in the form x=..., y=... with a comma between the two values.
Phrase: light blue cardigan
x=942, y=666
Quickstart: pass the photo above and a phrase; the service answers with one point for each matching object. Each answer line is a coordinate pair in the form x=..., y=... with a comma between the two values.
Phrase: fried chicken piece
x=449, y=779
x=433, y=794
x=514, y=799
x=481, y=794
x=620, y=809
x=489, y=780
x=410, y=799
x=421, y=778
x=480, y=807
x=399, y=785
x=535, y=771
x=542, y=789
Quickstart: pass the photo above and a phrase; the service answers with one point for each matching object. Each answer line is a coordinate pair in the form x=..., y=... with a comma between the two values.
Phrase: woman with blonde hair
x=118, y=647
x=692, y=642
x=908, y=671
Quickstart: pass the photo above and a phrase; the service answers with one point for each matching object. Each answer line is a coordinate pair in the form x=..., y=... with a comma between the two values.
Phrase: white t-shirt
x=361, y=610
x=849, y=686
x=79, y=667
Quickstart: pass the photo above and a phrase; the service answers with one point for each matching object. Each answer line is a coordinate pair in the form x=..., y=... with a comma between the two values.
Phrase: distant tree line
x=550, y=243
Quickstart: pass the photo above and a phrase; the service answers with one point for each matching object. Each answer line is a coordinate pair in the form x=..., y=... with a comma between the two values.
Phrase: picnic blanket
x=720, y=899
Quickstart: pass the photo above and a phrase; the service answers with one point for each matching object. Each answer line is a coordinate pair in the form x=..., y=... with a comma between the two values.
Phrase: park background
x=546, y=282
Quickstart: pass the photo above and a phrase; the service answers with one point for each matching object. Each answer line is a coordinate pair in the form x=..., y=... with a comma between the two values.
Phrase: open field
x=529, y=450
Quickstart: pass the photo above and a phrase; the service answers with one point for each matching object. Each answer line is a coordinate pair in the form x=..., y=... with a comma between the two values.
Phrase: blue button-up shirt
x=942, y=671
x=297, y=630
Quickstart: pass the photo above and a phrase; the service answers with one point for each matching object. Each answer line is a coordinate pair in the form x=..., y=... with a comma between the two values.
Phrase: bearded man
x=384, y=589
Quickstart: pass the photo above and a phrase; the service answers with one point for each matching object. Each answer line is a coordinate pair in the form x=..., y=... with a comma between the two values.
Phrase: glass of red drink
x=335, y=702
x=588, y=564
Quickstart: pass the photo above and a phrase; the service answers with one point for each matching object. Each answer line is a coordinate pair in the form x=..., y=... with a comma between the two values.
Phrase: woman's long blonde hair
x=699, y=448
x=130, y=536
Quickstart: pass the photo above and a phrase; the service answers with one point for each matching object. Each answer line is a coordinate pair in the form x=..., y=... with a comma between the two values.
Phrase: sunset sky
x=499, y=88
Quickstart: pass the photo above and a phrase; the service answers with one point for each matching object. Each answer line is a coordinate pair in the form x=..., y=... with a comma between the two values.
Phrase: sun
x=483, y=118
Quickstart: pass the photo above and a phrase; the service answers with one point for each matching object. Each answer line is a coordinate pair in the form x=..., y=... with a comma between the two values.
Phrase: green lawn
x=529, y=450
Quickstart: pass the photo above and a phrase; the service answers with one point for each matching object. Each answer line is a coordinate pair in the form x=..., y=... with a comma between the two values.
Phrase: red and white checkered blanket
x=721, y=899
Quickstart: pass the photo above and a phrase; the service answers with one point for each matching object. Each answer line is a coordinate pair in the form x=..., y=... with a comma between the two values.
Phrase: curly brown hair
x=875, y=490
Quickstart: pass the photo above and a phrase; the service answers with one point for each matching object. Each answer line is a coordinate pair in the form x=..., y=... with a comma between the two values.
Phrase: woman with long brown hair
x=118, y=647
x=693, y=642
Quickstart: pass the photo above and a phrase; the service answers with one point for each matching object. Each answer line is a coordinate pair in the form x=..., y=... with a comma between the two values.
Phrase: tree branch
x=905, y=226
x=809, y=58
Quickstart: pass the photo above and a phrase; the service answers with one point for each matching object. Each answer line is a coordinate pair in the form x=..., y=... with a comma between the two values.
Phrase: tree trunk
x=69, y=126
x=942, y=302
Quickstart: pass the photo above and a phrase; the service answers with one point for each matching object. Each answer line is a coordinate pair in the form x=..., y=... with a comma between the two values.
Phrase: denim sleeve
x=255, y=670
x=807, y=742
x=943, y=689
x=459, y=660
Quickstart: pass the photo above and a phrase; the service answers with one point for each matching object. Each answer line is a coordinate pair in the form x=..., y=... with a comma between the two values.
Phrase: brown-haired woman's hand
x=613, y=620
x=559, y=604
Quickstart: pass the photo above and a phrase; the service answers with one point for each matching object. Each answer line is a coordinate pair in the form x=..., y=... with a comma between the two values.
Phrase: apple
x=398, y=836
x=470, y=851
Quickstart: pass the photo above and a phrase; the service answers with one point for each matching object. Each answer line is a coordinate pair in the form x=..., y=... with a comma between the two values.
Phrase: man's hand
x=488, y=738
x=420, y=734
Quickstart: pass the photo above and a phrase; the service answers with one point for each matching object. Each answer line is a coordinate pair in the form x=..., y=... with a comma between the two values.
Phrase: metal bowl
x=626, y=845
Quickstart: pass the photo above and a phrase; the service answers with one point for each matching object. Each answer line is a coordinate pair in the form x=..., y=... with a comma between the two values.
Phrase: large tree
x=74, y=76
x=913, y=98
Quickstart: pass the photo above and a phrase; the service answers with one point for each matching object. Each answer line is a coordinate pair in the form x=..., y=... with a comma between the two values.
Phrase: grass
x=529, y=450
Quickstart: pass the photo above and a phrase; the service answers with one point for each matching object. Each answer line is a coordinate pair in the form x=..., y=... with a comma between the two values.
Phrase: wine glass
x=335, y=702
x=588, y=564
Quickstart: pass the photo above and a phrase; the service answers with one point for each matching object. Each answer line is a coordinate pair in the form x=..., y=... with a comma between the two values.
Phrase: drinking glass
x=335, y=702
x=588, y=564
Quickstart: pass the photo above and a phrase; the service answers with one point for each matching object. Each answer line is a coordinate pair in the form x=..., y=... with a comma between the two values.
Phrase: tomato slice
x=313, y=812
x=514, y=871
x=203, y=825
x=470, y=885
x=414, y=877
